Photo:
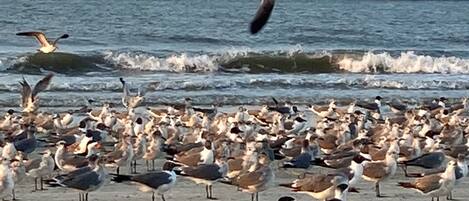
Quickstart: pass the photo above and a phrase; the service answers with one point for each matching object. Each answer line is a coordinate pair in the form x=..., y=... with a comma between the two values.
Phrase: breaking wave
x=406, y=62
x=294, y=60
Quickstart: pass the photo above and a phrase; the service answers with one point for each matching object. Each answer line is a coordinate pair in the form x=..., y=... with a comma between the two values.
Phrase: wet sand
x=187, y=190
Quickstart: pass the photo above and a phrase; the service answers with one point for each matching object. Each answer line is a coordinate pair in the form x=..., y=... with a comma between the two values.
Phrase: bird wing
x=25, y=92
x=428, y=183
x=40, y=37
x=153, y=179
x=61, y=37
x=82, y=181
x=262, y=15
x=207, y=172
x=42, y=85
x=32, y=164
x=250, y=179
x=73, y=173
x=314, y=183
x=375, y=170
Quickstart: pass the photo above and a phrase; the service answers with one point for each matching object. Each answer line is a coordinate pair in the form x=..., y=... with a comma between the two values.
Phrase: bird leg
x=13, y=194
x=211, y=192
x=378, y=194
x=35, y=184
x=404, y=168
x=42, y=184
x=135, y=167
x=86, y=197
x=148, y=167
x=162, y=197
x=117, y=171
x=153, y=165
x=152, y=196
x=206, y=192
x=449, y=196
x=80, y=198
x=252, y=197
x=257, y=196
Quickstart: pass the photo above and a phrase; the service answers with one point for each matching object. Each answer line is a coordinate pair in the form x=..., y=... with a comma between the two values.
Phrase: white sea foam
x=173, y=63
x=406, y=62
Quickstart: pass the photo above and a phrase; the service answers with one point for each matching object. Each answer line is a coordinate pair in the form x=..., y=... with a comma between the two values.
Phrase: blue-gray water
x=309, y=50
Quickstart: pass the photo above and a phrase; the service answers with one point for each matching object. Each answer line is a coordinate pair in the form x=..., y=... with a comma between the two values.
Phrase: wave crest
x=173, y=63
x=406, y=62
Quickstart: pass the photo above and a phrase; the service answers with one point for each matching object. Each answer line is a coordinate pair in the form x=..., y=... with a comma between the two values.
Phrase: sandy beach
x=188, y=190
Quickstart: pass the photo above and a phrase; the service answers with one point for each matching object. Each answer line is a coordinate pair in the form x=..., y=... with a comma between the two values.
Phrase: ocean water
x=310, y=51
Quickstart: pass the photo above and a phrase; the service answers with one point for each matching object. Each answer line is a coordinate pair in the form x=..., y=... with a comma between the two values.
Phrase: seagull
x=29, y=99
x=131, y=101
x=27, y=145
x=375, y=106
x=377, y=171
x=41, y=168
x=428, y=161
x=262, y=15
x=206, y=174
x=258, y=178
x=85, y=182
x=6, y=179
x=150, y=182
x=18, y=171
x=46, y=45
x=435, y=185
x=319, y=186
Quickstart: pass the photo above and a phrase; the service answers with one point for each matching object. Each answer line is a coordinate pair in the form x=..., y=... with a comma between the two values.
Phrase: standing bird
x=160, y=182
x=29, y=99
x=86, y=179
x=262, y=15
x=435, y=185
x=377, y=171
x=319, y=186
x=6, y=179
x=41, y=168
x=46, y=45
x=206, y=174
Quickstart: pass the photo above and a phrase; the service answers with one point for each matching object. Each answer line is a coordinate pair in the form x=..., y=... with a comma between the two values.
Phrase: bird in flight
x=262, y=16
x=46, y=45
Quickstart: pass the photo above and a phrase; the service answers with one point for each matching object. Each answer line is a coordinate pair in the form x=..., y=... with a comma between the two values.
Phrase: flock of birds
x=243, y=148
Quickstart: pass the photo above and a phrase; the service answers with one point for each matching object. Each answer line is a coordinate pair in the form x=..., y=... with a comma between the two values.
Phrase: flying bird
x=29, y=99
x=46, y=45
x=262, y=15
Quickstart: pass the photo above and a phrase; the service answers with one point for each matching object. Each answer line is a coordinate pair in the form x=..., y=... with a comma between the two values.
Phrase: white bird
x=6, y=179
x=18, y=171
x=9, y=150
x=46, y=45
x=29, y=99
x=44, y=169
x=129, y=100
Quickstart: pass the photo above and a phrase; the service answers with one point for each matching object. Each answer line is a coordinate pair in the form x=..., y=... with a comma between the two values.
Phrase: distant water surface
x=309, y=51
